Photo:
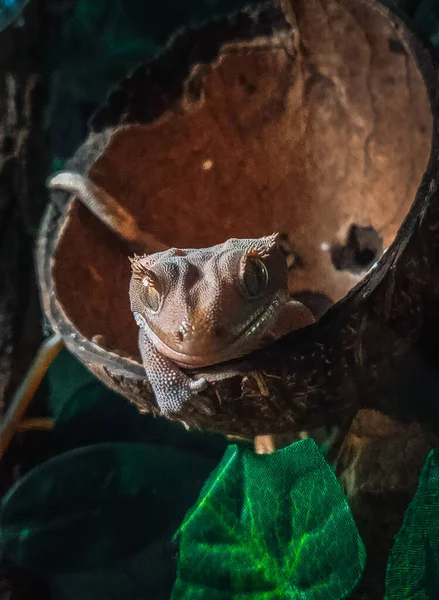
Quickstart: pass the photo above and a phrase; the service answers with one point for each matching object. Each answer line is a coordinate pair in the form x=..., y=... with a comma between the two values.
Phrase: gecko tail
x=68, y=181
x=107, y=209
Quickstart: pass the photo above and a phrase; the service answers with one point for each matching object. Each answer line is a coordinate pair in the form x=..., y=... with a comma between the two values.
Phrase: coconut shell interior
x=320, y=130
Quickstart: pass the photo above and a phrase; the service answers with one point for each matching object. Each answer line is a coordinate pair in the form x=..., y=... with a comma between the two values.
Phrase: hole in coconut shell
x=363, y=247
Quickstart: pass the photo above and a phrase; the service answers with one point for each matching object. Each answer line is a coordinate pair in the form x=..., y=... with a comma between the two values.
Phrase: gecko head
x=203, y=306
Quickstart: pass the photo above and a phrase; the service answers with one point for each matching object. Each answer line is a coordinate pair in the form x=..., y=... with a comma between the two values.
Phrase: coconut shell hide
x=314, y=119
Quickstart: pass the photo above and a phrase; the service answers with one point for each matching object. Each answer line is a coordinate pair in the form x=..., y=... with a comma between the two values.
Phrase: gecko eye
x=255, y=277
x=150, y=294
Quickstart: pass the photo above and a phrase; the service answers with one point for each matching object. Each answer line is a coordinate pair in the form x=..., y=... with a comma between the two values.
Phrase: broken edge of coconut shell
x=354, y=356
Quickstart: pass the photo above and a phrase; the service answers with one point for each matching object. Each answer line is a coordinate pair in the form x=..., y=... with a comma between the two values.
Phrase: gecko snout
x=179, y=336
x=194, y=329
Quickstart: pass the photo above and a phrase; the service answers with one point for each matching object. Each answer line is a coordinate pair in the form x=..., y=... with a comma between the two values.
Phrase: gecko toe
x=198, y=385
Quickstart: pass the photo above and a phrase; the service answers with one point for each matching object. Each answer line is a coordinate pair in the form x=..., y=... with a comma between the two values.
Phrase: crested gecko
x=199, y=307
x=195, y=307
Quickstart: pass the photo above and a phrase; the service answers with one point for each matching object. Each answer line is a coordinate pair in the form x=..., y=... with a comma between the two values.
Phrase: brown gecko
x=195, y=308
x=199, y=307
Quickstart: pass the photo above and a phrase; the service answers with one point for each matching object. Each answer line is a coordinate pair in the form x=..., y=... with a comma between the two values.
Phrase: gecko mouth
x=244, y=342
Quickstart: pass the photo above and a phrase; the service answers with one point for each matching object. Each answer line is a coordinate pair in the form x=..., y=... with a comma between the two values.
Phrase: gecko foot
x=172, y=398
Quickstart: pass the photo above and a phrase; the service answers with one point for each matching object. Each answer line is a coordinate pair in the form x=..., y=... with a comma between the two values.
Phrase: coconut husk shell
x=315, y=119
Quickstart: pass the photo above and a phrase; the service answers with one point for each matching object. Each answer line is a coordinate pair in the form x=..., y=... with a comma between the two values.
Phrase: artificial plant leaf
x=423, y=15
x=404, y=6
x=426, y=20
x=268, y=527
x=9, y=11
x=413, y=565
x=94, y=415
x=86, y=508
x=66, y=375
x=103, y=39
x=149, y=574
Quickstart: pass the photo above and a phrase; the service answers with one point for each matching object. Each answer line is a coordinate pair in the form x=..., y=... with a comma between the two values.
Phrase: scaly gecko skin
x=199, y=307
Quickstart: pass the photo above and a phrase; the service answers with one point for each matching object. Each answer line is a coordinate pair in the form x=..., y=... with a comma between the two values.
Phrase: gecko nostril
x=220, y=332
x=179, y=336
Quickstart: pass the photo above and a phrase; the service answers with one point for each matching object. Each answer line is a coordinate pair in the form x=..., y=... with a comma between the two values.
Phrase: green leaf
x=269, y=527
x=9, y=11
x=95, y=415
x=413, y=565
x=405, y=6
x=87, y=412
x=149, y=574
x=103, y=40
x=86, y=508
x=67, y=375
x=423, y=16
x=426, y=20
